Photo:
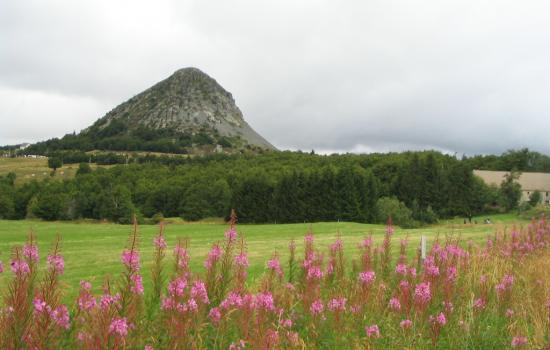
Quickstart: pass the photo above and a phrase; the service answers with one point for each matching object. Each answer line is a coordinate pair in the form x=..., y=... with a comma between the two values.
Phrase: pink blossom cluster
x=242, y=260
x=119, y=326
x=367, y=277
x=159, y=241
x=107, y=300
x=56, y=263
x=213, y=256
x=372, y=331
x=182, y=256
x=198, y=291
x=337, y=304
x=519, y=341
x=59, y=315
x=406, y=324
x=439, y=319
x=130, y=258
x=231, y=234
x=20, y=267
x=316, y=307
x=423, y=293
x=176, y=287
x=137, y=284
x=30, y=251
x=275, y=266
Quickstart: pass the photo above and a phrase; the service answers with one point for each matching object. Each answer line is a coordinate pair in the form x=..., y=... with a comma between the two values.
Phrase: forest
x=274, y=187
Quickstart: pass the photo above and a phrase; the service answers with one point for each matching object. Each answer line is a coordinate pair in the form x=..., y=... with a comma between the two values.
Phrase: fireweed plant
x=461, y=296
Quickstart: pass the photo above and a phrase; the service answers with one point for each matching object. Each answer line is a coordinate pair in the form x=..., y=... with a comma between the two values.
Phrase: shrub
x=391, y=207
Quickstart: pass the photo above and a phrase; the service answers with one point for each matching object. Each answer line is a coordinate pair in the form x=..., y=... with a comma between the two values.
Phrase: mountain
x=188, y=112
x=187, y=101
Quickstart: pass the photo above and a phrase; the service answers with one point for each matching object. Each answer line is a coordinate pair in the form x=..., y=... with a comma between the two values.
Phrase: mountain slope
x=189, y=101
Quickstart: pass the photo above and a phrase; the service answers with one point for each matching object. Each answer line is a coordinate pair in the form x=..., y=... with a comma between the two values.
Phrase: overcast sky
x=468, y=76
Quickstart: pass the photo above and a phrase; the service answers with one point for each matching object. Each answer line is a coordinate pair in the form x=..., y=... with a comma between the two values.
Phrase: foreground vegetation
x=373, y=292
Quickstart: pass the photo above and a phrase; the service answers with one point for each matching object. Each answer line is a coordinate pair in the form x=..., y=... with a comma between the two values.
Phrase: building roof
x=528, y=181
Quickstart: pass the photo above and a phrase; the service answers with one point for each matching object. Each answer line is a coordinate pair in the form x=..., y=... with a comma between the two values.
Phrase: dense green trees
x=510, y=191
x=273, y=187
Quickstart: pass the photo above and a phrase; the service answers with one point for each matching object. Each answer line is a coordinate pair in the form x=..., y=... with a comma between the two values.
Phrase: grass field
x=28, y=169
x=92, y=250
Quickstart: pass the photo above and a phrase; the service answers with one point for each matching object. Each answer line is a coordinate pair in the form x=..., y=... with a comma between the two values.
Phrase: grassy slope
x=92, y=250
x=24, y=168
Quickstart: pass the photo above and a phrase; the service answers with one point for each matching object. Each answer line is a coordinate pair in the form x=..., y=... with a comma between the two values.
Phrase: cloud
x=465, y=76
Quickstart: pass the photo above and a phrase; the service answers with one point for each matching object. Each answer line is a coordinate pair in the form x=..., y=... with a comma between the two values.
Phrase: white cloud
x=465, y=76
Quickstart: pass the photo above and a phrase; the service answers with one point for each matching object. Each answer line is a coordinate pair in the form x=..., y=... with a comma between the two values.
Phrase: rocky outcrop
x=187, y=101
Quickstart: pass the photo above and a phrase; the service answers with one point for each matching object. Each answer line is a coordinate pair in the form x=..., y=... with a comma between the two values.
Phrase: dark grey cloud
x=460, y=76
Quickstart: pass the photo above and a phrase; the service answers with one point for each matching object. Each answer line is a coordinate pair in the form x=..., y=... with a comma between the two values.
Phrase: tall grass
x=461, y=296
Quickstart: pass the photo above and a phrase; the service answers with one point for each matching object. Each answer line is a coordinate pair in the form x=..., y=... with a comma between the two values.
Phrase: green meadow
x=92, y=249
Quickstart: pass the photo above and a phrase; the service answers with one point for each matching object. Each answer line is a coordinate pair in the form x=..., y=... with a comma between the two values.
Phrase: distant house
x=23, y=146
x=530, y=182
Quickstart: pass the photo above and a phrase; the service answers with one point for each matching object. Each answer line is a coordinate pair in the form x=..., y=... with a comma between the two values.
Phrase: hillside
x=187, y=113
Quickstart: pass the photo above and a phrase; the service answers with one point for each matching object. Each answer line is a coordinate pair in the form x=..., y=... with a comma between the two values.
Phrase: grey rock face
x=187, y=101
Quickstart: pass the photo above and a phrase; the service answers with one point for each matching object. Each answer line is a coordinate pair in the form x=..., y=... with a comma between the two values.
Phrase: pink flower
x=242, y=260
x=30, y=251
x=508, y=280
x=231, y=235
x=86, y=302
x=192, y=305
x=108, y=300
x=337, y=304
x=316, y=307
x=432, y=270
x=177, y=286
x=213, y=256
x=372, y=331
x=548, y=304
x=1, y=267
x=275, y=265
x=237, y=346
x=309, y=238
x=61, y=316
x=479, y=304
x=519, y=341
x=137, y=287
x=148, y=347
x=509, y=313
x=337, y=246
x=119, y=327
x=215, y=315
x=130, y=258
x=232, y=300
x=198, y=291
x=160, y=242
x=182, y=256
x=422, y=293
x=314, y=272
x=439, y=319
x=401, y=269
x=39, y=305
x=85, y=285
x=366, y=243
x=451, y=273
x=367, y=277
x=395, y=304
x=405, y=324
x=20, y=267
x=265, y=301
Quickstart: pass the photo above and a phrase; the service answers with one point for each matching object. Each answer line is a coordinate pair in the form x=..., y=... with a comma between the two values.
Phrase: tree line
x=282, y=187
